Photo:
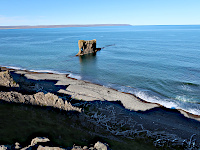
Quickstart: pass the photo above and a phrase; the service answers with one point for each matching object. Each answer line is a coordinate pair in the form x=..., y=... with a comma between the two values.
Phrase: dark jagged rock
x=87, y=47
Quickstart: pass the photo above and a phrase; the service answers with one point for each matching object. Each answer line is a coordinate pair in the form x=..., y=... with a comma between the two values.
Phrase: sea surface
x=158, y=64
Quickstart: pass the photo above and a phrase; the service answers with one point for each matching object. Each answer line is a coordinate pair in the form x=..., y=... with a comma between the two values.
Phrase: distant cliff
x=60, y=26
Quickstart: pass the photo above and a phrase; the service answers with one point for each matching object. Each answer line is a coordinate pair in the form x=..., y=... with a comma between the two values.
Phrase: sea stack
x=87, y=47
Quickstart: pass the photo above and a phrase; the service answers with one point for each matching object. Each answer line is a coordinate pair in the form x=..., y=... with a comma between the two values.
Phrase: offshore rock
x=7, y=80
x=40, y=99
x=87, y=47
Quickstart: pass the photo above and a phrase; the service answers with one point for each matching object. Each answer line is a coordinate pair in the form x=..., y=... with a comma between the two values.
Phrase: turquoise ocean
x=158, y=64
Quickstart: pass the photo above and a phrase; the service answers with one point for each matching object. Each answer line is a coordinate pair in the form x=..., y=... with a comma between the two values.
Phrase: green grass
x=21, y=123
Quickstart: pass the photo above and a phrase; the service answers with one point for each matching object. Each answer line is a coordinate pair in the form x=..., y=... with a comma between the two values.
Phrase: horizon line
x=79, y=25
x=59, y=26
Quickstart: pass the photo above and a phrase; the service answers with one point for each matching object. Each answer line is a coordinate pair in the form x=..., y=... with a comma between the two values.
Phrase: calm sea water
x=156, y=63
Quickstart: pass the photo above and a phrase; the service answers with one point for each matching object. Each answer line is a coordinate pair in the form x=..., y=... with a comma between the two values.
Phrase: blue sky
x=134, y=12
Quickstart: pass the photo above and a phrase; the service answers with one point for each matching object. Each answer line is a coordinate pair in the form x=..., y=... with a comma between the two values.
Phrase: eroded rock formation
x=87, y=47
x=40, y=99
x=7, y=80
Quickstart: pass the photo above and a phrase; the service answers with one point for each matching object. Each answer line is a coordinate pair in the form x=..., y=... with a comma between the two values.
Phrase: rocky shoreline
x=39, y=98
x=102, y=109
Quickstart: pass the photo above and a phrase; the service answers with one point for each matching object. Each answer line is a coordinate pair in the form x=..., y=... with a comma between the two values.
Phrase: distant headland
x=60, y=26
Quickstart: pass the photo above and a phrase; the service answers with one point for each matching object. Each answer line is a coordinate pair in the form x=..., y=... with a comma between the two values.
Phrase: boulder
x=5, y=147
x=39, y=140
x=40, y=147
x=37, y=144
x=17, y=145
x=87, y=47
x=100, y=146
x=35, y=141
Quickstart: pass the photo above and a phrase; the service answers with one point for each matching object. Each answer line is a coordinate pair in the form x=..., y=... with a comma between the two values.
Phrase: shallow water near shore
x=156, y=63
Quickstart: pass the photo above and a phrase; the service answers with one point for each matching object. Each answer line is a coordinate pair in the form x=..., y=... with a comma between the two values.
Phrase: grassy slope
x=21, y=123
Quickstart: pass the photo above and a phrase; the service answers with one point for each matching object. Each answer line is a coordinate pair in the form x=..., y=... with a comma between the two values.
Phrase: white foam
x=41, y=71
x=182, y=98
x=16, y=68
x=193, y=111
x=47, y=71
x=78, y=77
x=186, y=88
x=184, y=104
x=155, y=99
x=109, y=85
